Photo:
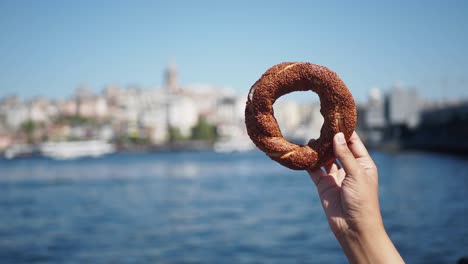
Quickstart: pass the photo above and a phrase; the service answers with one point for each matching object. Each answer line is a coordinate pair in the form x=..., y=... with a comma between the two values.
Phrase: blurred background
x=122, y=134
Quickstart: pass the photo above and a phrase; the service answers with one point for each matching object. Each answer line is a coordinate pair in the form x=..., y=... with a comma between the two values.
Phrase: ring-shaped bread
x=337, y=108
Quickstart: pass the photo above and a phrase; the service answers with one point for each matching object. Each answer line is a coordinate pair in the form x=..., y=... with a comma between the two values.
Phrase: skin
x=350, y=199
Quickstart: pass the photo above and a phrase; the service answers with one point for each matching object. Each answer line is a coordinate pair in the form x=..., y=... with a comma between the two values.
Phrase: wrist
x=360, y=237
x=362, y=228
x=371, y=246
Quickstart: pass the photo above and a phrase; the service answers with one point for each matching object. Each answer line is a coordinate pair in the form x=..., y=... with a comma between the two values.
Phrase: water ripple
x=211, y=208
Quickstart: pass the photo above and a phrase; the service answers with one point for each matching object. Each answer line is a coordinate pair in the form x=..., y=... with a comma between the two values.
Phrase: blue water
x=212, y=208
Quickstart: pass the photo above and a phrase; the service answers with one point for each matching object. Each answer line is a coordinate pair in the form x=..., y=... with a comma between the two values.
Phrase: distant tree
x=76, y=120
x=138, y=140
x=175, y=134
x=28, y=127
x=204, y=131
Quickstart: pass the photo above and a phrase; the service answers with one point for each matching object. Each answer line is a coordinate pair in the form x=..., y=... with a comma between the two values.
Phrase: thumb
x=344, y=155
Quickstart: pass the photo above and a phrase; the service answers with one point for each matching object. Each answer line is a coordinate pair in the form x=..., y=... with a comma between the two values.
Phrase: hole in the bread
x=298, y=116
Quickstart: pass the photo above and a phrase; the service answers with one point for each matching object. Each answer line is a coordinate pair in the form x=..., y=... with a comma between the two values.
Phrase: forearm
x=370, y=247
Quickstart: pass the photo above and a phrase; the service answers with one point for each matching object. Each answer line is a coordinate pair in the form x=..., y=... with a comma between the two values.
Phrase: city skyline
x=50, y=48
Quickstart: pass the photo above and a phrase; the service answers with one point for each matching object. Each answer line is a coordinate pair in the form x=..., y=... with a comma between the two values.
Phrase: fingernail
x=340, y=138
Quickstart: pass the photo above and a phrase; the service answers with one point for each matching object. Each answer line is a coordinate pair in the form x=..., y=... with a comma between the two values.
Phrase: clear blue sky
x=48, y=48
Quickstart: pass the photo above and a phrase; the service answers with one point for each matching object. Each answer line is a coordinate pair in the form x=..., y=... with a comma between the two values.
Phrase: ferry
x=20, y=150
x=75, y=149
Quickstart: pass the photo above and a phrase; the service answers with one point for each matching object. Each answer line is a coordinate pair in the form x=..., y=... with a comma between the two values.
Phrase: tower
x=171, y=77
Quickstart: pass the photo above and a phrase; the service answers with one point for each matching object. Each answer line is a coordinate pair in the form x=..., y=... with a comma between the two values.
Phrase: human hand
x=350, y=199
x=349, y=195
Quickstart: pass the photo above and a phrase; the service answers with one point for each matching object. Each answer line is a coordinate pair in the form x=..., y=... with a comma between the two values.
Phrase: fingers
x=344, y=154
x=332, y=168
x=357, y=147
x=360, y=152
x=316, y=175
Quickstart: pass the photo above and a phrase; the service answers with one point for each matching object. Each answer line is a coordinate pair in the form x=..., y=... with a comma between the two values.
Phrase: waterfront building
x=67, y=107
x=182, y=114
x=15, y=115
x=40, y=110
x=229, y=117
x=402, y=110
x=374, y=117
x=403, y=107
x=443, y=127
x=90, y=105
x=311, y=121
x=288, y=116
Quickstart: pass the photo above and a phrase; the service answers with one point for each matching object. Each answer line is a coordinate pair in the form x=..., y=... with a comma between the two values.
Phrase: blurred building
x=310, y=124
x=90, y=105
x=15, y=114
x=182, y=114
x=402, y=107
x=374, y=117
x=67, y=107
x=229, y=117
x=288, y=115
x=171, y=82
x=402, y=112
x=41, y=110
x=387, y=117
x=443, y=127
x=154, y=115
x=154, y=112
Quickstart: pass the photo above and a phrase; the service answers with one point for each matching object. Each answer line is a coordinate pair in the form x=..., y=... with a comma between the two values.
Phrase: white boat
x=75, y=149
x=19, y=150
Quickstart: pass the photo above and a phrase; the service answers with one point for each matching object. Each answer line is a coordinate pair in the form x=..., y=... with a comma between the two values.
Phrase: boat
x=19, y=150
x=75, y=149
